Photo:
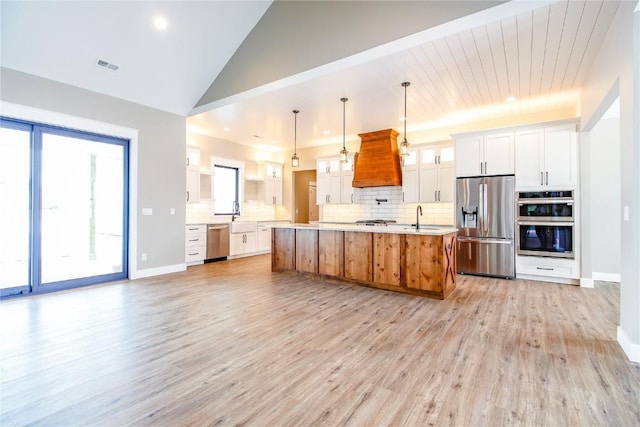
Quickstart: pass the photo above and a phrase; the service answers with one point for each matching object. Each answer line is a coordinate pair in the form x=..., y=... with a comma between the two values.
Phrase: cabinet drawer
x=547, y=267
x=196, y=228
x=195, y=254
x=194, y=240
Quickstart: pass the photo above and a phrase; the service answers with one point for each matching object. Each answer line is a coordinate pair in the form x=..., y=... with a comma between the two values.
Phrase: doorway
x=303, y=205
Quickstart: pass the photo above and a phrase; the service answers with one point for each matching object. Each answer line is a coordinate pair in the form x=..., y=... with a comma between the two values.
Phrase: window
x=227, y=177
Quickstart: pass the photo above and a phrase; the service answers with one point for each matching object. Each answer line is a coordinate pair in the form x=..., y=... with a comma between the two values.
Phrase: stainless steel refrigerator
x=486, y=226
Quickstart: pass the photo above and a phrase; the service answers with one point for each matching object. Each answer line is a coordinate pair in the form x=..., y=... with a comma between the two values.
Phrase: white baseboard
x=631, y=349
x=585, y=282
x=139, y=274
x=606, y=277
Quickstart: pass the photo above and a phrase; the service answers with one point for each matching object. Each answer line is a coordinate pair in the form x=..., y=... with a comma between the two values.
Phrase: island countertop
x=427, y=230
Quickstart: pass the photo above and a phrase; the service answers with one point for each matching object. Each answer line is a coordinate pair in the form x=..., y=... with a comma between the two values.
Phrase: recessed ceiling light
x=274, y=142
x=510, y=98
x=160, y=22
x=326, y=132
x=227, y=129
x=402, y=119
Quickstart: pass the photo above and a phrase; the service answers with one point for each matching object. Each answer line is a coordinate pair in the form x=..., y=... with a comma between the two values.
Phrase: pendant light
x=344, y=154
x=295, y=160
x=404, y=146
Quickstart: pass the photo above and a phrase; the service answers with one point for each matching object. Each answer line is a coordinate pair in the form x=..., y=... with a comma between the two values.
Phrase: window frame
x=230, y=164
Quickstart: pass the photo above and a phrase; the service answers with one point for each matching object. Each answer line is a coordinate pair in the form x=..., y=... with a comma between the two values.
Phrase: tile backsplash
x=393, y=208
x=202, y=213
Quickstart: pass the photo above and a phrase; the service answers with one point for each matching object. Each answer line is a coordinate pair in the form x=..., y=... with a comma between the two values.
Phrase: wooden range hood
x=378, y=163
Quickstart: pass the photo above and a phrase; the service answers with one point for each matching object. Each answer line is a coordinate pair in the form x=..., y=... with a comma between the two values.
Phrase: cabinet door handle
x=439, y=199
x=352, y=197
x=541, y=178
x=485, y=168
x=545, y=268
x=547, y=178
x=187, y=196
x=403, y=197
x=480, y=168
x=435, y=195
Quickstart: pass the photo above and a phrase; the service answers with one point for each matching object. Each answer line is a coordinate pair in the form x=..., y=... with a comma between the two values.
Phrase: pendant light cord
x=344, y=106
x=405, y=110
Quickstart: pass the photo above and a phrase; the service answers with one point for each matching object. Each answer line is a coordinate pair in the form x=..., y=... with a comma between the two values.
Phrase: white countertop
x=390, y=229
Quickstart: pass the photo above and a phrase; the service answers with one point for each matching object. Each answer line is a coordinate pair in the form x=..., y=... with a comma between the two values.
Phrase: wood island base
x=415, y=263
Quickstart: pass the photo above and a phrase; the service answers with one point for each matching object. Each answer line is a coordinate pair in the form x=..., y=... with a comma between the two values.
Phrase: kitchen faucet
x=418, y=210
x=235, y=210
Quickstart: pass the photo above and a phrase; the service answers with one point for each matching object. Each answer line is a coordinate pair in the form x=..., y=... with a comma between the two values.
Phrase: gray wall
x=615, y=70
x=161, y=156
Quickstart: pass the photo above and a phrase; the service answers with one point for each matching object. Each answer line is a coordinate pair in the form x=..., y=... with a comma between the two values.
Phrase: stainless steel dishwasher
x=217, y=241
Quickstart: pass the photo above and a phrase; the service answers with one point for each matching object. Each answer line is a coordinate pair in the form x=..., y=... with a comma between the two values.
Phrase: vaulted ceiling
x=464, y=70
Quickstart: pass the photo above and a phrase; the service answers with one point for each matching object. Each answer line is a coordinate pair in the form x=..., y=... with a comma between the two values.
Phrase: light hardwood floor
x=231, y=343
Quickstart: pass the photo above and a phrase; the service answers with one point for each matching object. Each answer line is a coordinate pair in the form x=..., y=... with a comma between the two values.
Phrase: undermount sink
x=244, y=226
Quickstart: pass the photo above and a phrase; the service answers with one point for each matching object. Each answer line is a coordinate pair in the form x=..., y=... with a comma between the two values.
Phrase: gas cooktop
x=376, y=221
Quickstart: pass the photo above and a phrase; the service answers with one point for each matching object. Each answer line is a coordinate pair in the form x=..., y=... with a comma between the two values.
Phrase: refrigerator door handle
x=481, y=207
x=485, y=220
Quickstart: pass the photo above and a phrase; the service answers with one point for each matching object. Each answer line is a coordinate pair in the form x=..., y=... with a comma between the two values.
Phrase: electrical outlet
x=625, y=213
x=172, y=211
x=143, y=257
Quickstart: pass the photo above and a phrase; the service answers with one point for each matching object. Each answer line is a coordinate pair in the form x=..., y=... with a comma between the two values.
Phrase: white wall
x=615, y=71
x=605, y=198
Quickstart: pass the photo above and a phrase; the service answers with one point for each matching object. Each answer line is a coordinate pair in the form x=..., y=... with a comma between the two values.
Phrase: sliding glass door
x=69, y=220
x=15, y=178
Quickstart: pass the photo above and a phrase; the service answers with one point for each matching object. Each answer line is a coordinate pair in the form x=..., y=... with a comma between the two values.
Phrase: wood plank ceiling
x=541, y=58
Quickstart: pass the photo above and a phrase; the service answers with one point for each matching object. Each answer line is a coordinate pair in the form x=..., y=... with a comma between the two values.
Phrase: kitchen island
x=398, y=258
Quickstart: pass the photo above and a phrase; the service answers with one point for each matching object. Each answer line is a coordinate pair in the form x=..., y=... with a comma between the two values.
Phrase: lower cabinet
x=429, y=263
x=546, y=268
x=358, y=256
x=264, y=238
x=242, y=243
x=195, y=243
x=331, y=253
x=387, y=258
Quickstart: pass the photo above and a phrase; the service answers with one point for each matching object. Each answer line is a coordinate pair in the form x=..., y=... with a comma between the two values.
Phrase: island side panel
x=283, y=249
x=358, y=256
x=423, y=263
x=307, y=250
x=449, y=263
x=331, y=252
x=386, y=258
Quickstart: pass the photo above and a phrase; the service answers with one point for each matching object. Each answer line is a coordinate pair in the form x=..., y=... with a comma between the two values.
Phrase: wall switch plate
x=143, y=257
x=625, y=213
x=147, y=211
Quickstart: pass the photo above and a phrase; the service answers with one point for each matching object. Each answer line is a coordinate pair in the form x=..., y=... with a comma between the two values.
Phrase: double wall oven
x=545, y=223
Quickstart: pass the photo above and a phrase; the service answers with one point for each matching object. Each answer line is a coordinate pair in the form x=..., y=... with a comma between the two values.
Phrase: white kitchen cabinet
x=273, y=184
x=410, y=178
x=546, y=268
x=546, y=158
x=437, y=174
x=242, y=243
x=490, y=154
x=264, y=238
x=328, y=181
x=346, y=181
x=193, y=184
x=195, y=243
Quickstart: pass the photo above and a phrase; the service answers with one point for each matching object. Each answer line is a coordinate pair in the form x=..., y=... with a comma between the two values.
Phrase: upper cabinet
x=273, y=184
x=546, y=158
x=489, y=154
x=346, y=179
x=193, y=175
x=410, y=177
x=437, y=174
x=328, y=181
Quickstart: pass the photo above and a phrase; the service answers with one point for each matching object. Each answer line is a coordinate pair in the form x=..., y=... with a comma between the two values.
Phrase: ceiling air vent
x=105, y=64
